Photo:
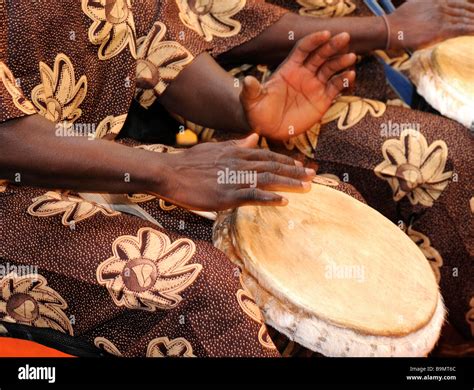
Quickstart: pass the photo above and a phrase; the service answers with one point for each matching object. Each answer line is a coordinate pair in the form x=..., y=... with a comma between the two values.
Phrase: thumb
x=249, y=142
x=252, y=89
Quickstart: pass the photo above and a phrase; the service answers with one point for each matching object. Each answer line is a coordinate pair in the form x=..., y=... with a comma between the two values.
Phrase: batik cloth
x=82, y=269
x=414, y=167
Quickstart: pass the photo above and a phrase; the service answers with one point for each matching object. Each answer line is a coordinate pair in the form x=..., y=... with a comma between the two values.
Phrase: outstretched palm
x=302, y=89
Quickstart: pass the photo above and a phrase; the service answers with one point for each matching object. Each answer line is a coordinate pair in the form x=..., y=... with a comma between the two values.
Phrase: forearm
x=274, y=44
x=32, y=154
x=206, y=94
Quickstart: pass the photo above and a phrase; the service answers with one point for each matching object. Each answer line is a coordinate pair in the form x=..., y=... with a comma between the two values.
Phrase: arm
x=274, y=44
x=211, y=96
x=290, y=102
x=415, y=24
x=207, y=85
x=31, y=149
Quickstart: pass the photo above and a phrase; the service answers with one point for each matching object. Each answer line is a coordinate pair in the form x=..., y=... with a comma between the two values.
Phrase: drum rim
x=356, y=344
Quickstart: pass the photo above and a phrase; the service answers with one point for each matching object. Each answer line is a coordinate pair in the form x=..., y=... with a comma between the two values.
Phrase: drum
x=334, y=275
x=444, y=76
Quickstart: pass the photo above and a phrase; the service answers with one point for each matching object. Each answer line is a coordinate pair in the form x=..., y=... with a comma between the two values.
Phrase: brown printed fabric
x=412, y=166
x=119, y=283
x=132, y=288
x=112, y=48
x=122, y=284
x=128, y=287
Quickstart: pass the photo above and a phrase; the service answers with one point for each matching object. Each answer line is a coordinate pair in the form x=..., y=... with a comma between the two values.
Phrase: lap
x=120, y=282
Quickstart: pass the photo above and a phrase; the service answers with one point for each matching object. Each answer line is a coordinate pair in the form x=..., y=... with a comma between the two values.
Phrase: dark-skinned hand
x=194, y=175
x=302, y=89
x=420, y=23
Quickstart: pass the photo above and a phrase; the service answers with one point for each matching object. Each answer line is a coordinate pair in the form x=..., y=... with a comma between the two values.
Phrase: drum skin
x=328, y=263
x=444, y=76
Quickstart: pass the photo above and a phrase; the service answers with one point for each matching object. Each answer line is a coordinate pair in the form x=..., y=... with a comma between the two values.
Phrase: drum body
x=334, y=275
x=444, y=76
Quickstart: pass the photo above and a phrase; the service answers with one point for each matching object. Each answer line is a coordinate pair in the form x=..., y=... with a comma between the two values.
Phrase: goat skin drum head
x=453, y=61
x=328, y=255
x=444, y=76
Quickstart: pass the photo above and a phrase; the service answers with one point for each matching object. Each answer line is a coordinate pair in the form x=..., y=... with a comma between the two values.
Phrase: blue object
x=375, y=7
x=401, y=85
x=388, y=5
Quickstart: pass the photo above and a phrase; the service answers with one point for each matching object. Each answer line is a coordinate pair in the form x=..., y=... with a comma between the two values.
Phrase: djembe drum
x=444, y=76
x=334, y=275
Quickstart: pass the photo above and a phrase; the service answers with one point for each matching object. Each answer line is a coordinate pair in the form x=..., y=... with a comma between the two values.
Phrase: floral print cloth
x=123, y=285
x=132, y=289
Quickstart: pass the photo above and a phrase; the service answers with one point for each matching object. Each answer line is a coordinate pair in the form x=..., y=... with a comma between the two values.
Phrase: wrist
x=244, y=126
x=241, y=122
x=159, y=173
x=396, y=38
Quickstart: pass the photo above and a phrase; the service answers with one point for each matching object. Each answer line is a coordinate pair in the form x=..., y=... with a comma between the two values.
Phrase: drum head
x=454, y=63
x=444, y=76
x=331, y=256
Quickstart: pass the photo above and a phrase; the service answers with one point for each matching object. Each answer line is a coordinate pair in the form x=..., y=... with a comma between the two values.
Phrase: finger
x=335, y=65
x=272, y=182
x=336, y=45
x=462, y=4
x=248, y=142
x=305, y=46
x=339, y=83
x=254, y=196
x=266, y=155
x=463, y=25
x=292, y=171
x=459, y=12
x=252, y=89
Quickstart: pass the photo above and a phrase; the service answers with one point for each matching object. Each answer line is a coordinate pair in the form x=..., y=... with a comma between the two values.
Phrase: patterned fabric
x=133, y=289
x=27, y=299
x=114, y=48
x=123, y=285
x=411, y=166
x=148, y=272
x=249, y=307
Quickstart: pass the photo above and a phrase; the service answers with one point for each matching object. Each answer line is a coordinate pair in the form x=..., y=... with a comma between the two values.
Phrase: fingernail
x=306, y=185
x=284, y=201
x=298, y=163
x=310, y=172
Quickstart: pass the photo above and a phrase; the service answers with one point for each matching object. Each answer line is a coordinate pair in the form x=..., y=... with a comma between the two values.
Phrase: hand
x=202, y=178
x=302, y=89
x=426, y=22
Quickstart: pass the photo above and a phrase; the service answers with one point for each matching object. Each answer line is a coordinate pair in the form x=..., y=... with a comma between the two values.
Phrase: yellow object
x=186, y=138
